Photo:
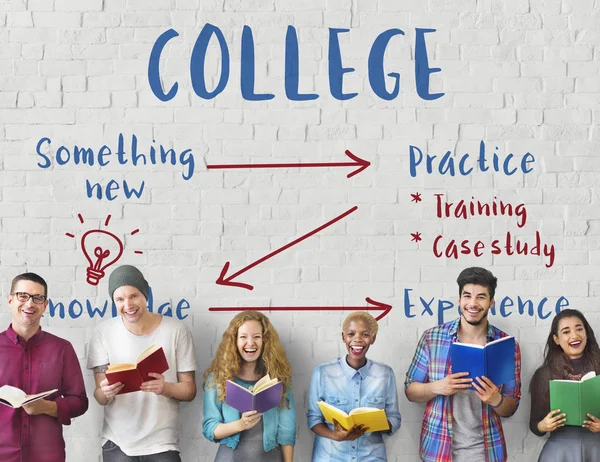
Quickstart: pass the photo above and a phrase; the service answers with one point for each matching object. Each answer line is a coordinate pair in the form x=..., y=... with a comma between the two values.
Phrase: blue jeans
x=112, y=453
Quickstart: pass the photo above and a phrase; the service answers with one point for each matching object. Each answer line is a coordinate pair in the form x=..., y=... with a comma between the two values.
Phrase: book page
x=12, y=395
x=503, y=339
x=469, y=345
x=32, y=398
x=589, y=375
x=360, y=410
x=147, y=352
x=119, y=367
x=261, y=381
x=265, y=385
x=16, y=397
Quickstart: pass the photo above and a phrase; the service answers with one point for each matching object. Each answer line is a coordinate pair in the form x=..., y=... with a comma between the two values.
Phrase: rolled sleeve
x=286, y=431
x=213, y=415
x=418, y=370
x=392, y=410
x=314, y=415
x=73, y=401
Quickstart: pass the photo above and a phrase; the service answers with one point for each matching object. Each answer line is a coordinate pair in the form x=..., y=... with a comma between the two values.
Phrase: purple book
x=267, y=396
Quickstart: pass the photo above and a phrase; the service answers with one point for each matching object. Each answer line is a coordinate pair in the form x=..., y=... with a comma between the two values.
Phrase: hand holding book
x=155, y=384
x=148, y=368
x=593, y=424
x=494, y=360
x=265, y=395
x=553, y=420
x=488, y=392
x=41, y=406
x=452, y=383
x=249, y=419
x=578, y=399
x=368, y=418
x=340, y=434
x=15, y=397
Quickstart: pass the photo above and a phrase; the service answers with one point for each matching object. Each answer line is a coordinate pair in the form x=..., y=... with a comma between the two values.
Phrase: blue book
x=495, y=360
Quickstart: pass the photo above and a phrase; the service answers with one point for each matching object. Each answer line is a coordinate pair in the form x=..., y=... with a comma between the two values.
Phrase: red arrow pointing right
x=376, y=306
x=356, y=162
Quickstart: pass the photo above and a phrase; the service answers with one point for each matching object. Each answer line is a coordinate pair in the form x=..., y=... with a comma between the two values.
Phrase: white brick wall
x=521, y=75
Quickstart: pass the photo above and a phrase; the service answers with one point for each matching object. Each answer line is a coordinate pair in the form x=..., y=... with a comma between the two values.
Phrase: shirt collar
x=453, y=330
x=15, y=338
x=350, y=372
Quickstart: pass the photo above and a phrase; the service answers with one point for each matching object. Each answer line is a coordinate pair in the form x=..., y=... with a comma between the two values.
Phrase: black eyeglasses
x=24, y=296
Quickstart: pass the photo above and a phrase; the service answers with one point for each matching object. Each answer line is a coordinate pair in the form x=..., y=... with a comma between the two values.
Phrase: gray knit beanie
x=127, y=275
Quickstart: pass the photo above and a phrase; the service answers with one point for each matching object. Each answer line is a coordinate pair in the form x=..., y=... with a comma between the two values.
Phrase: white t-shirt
x=142, y=423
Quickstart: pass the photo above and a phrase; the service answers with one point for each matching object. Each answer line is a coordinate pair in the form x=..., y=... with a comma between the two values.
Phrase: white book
x=15, y=398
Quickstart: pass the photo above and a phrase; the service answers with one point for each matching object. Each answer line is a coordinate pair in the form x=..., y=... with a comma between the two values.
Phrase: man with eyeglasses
x=36, y=361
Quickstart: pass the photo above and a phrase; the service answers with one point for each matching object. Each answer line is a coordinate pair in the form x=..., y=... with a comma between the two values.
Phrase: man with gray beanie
x=142, y=424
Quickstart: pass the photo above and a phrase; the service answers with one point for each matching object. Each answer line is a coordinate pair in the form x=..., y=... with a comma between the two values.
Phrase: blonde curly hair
x=227, y=363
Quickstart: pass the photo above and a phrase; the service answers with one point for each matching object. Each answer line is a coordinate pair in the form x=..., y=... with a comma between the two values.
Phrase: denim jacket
x=279, y=424
x=336, y=383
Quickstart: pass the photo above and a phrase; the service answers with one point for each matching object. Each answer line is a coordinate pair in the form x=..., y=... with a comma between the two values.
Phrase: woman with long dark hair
x=571, y=352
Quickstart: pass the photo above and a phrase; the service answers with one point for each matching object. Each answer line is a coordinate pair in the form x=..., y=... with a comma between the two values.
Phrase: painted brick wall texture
x=518, y=77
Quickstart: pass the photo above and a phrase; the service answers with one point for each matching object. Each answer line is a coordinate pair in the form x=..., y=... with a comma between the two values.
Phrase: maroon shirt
x=41, y=364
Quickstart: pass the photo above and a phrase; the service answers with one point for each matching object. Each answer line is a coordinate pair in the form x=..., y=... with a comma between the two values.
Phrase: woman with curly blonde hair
x=250, y=348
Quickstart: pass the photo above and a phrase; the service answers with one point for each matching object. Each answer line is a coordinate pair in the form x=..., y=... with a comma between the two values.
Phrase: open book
x=495, y=360
x=152, y=359
x=576, y=398
x=372, y=418
x=265, y=395
x=15, y=398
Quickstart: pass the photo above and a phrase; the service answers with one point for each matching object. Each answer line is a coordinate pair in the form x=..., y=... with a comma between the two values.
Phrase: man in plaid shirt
x=461, y=424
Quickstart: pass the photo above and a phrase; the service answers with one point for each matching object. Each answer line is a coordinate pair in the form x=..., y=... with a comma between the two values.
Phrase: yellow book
x=373, y=419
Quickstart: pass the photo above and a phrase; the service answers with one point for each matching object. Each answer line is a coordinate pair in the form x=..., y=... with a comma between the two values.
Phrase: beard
x=475, y=323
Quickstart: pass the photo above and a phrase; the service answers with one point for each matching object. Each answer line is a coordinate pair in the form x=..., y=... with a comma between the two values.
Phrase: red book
x=152, y=359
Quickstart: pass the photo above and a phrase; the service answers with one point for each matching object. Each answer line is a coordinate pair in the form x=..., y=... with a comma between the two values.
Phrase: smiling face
x=358, y=338
x=26, y=316
x=475, y=302
x=250, y=340
x=131, y=303
x=571, y=337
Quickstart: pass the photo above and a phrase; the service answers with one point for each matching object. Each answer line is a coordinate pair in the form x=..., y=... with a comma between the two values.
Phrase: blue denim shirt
x=336, y=383
x=279, y=424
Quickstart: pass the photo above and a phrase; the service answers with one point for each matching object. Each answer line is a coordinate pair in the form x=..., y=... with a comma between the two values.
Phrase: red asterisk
x=416, y=197
x=416, y=237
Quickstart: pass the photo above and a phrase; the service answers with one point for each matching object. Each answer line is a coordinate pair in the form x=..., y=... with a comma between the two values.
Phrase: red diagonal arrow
x=228, y=281
x=377, y=306
x=356, y=162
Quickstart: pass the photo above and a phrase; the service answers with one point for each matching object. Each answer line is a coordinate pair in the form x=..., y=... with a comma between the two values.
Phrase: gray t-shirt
x=467, y=428
x=250, y=447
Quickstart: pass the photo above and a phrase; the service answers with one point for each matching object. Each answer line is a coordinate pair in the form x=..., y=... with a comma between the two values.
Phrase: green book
x=576, y=398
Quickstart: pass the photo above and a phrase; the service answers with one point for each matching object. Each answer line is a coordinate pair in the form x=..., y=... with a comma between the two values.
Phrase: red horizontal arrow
x=377, y=306
x=228, y=281
x=356, y=162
